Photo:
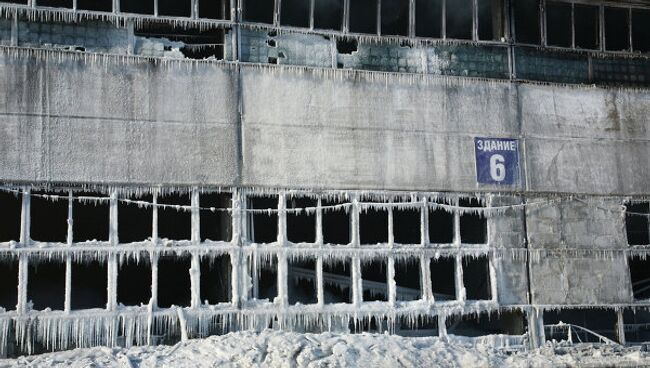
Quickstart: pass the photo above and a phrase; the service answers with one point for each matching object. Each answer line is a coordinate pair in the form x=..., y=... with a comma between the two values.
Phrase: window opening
x=375, y=280
x=336, y=224
x=337, y=282
x=346, y=46
x=458, y=19
x=137, y=7
x=88, y=286
x=637, y=325
x=640, y=277
x=373, y=225
x=395, y=17
x=214, y=9
x=527, y=21
x=49, y=218
x=301, y=227
x=174, y=224
x=328, y=14
x=473, y=226
x=9, y=284
x=419, y=326
x=490, y=20
x=504, y=322
x=95, y=5
x=55, y=3
x=406, y=226
x=407, y=279
x=266, y=279
x=193, y=43
x=216, y=225
x=617, y=29
x=90, y=219
x=600, y=321
x=259, y=11
x=302, y=281
x=586, y=27
x=441, y=226
x=215, y=279
x=443, y=278
x=641, y=30
x=46, y=284
x=175, y=8
x=363, y=16
x=428, y=18
x=476, y=278
x=295, y=13
x=134, y=221
x=263, y=226
x=134, y=282
x=174, y=285
x=558, y=24
x=11, y=206
x=636, y=223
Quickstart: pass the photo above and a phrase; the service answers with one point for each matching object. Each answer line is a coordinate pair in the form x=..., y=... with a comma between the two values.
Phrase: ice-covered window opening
x=162, y=263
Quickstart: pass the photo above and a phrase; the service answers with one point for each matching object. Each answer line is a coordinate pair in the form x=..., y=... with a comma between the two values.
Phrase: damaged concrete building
x=178, y=168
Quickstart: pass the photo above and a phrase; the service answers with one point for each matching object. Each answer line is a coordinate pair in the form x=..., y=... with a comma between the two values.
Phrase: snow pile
x=283, y=349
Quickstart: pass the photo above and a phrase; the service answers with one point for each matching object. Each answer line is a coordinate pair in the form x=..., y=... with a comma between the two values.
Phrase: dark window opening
x=395, y=17
x=617, y=29
x=266, y=279
x=215, y=279
x=337, y=282
x=216, y=225
x=407, y=279
x=641, y=30
x=302, y=282
x=16, y=1
x=214, y=9
x=196, y=43
x=374, y=280
x=406, y=226
x=373, y=226
x=295, y=13
x=637, y=325
x=363, y=16
x=443, y=278
x=458, y=19
x=175, y=224
x=527, y=21
x=328, y=14
x=336, y=224
x=372, y=324
x=473, y=227
x=428, y=18
x=49, y=219
x=90, y=219
x=174, y=285
x=9, y=284
x=558, y=24
x=636, y=223
x=346, y=46
x=46, y=284
x=175, y=8
x=88, y=286
x=137, y=7
x=95, y=5
x=11, y=206
x=263, y=226
x=476, y=278
x=586, y=27
x=600, y=321
x=640, y=277
x=441, y=226
x=55, y=3
x=504, y=322
x=301, y=227
x=134, y=221
x=418, y=326
x=490, y=19
x=259, y=11
x=134, y=282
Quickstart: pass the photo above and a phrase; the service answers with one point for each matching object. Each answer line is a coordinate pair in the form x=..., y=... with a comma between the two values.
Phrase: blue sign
x=497, y=160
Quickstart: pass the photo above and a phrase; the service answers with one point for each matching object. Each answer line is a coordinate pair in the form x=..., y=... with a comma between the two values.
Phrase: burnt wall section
x=116, y=120
x=577, y=254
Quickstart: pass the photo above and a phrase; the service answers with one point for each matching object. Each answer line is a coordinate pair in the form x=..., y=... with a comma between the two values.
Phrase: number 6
x=497, y=168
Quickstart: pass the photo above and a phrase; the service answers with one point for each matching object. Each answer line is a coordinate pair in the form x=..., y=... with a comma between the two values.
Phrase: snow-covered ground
x=284, y=349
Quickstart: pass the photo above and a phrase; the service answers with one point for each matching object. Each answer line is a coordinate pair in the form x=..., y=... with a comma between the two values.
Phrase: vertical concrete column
x=283, y=267
x=460, y=286
x=195, y=268
x=392, y=285
x=68, y=258
x=357, y=287
x=425, y=278
x=620, y=327
x=236, y=261
x=535, y=327
x=23, y=265
x=391, y=226
x=320, y=292
x=424, y=222
x=111, y=303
